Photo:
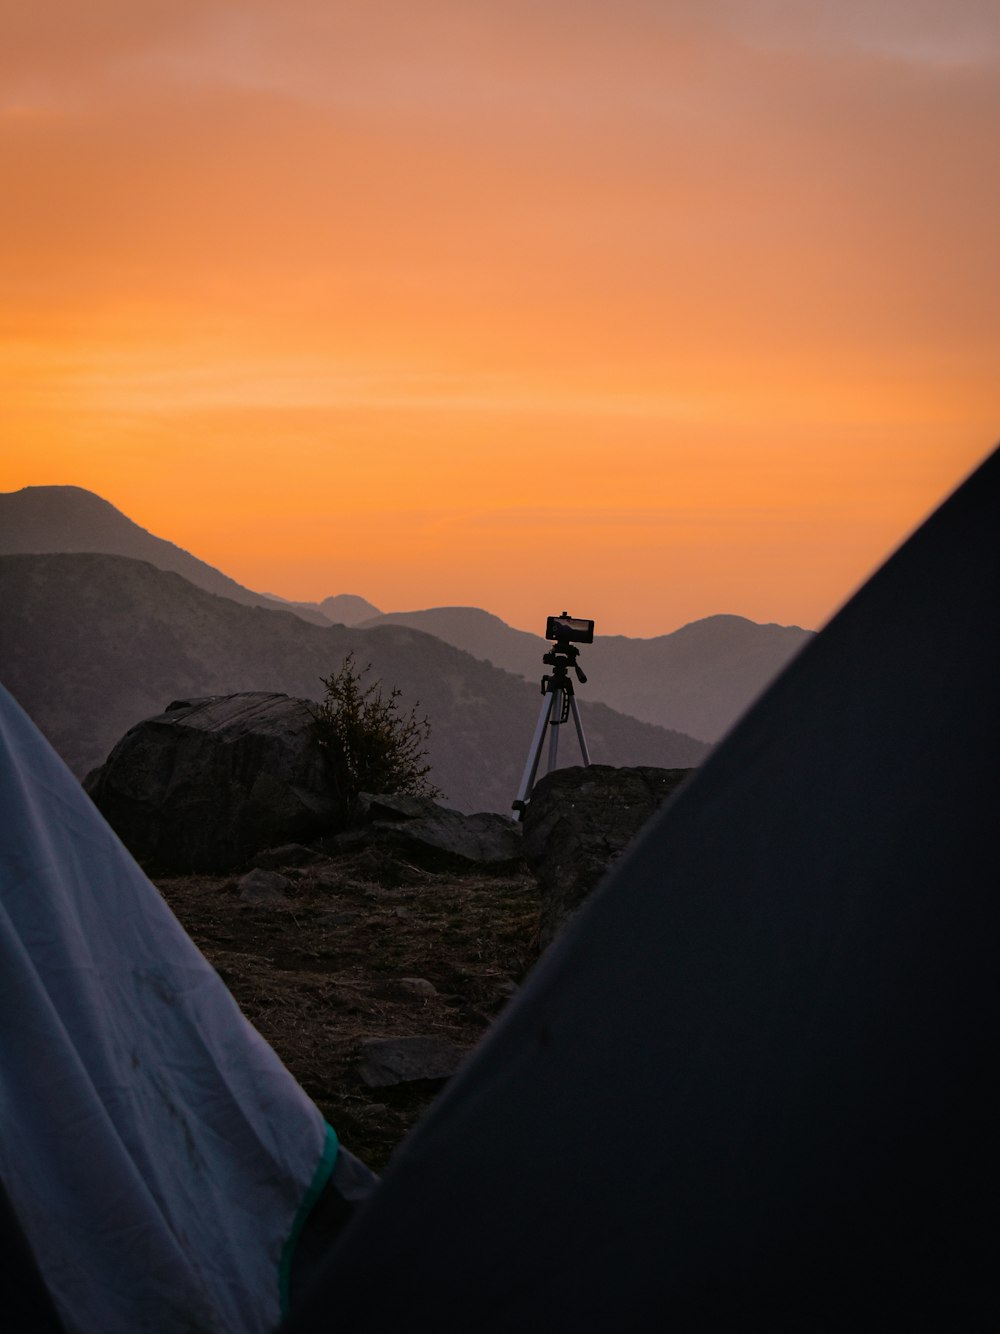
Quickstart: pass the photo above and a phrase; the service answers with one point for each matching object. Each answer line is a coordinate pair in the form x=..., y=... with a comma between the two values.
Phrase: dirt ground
x=331, y=967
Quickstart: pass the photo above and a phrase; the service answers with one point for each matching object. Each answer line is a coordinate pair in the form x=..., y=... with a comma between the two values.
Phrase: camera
x=569, y=629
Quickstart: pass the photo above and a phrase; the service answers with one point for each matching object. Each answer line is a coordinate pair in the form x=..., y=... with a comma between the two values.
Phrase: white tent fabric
x=754, y=1085
x=157, y=1154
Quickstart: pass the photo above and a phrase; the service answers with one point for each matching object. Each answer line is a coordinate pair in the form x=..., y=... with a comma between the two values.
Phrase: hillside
x=90, y=644
x=340, y=609
x=479, y=632
x=347, y=609
x=67, y=518
x=697, y=680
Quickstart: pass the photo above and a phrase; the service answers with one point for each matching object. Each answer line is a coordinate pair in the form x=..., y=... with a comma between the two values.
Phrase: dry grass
x=324, y=971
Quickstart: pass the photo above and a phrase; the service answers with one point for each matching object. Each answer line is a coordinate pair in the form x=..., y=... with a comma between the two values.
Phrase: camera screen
x=569, y=627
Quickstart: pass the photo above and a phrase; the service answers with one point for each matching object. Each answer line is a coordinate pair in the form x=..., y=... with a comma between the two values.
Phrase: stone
x=394, y=806
x=578, y=823
x=261, y=887
x=417, y=986
x=437, y=838
x=211, y=782
x=349, y=840
x=389, y=1061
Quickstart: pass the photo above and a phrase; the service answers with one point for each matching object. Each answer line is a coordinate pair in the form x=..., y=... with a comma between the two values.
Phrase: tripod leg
x=534, y=754
x=579, y=730
x=557, y=706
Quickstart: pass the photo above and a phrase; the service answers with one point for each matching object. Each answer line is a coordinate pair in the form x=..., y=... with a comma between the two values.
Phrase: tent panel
x=754, y=1081
x=155, y=1151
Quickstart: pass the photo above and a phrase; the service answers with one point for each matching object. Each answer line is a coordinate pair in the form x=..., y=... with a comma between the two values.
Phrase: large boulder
x=578, y=822
x=208, y=782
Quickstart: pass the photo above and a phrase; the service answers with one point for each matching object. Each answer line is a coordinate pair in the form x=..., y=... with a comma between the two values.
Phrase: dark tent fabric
x=25, y=1303
x=754, y=1085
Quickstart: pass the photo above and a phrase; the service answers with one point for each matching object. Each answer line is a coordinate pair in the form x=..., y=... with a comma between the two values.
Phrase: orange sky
x=648, y=310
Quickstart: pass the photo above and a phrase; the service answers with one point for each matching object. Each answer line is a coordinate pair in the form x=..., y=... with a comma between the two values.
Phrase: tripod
x=558, y=702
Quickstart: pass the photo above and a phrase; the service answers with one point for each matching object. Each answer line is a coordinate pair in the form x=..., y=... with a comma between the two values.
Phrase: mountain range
x=90, y=644
x=697, y=680
x=68, y=518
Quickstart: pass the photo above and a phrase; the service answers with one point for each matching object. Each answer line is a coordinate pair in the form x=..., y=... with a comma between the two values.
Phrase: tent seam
x=321, y=1176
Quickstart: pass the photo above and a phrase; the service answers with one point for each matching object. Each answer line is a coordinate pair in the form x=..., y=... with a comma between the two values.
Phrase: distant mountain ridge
x=340, y=609
x=39, y=519
x=697, y=680
x=90, y=644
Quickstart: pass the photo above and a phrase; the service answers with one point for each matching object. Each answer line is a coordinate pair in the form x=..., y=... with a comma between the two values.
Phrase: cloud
x=934, y=32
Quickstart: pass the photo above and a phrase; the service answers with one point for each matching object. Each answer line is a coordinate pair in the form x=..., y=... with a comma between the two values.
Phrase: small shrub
x=370, y=746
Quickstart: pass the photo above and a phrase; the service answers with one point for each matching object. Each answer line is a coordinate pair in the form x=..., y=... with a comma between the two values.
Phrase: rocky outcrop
x=434, y=836
x=211, y=784
x=578, y=822
x=208, y=782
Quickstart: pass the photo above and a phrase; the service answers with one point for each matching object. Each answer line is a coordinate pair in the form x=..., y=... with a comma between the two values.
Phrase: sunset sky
x=647, y=310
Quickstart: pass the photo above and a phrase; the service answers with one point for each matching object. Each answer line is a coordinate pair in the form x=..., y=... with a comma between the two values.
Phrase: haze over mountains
x=91, y=644
x=340, y=609
x=697, y=680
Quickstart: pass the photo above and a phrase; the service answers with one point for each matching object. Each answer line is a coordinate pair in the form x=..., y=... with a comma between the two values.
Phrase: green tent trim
x=321, y=1176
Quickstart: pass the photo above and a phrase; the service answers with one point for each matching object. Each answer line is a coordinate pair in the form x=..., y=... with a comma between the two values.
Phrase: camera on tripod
x=559, y=700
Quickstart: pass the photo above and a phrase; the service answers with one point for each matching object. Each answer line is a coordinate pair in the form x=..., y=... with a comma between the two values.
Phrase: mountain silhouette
x=340, y=609
x=697, y=680
x=348, y=609
x=92, y=643
x=67, y=518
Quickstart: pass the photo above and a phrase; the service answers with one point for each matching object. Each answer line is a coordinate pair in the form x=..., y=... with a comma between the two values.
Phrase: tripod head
x=562, y=657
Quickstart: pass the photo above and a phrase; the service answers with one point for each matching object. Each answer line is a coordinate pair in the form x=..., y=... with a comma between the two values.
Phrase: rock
x=417, y=986
x=436, y=837
x=261, y=887
x=210, y=782
x=389, y=1061
x=578, y=822
x=288, y=854
x=394, y=806
x=348, y=840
